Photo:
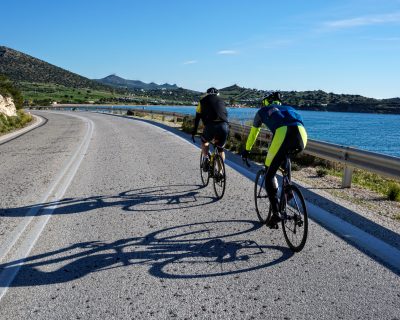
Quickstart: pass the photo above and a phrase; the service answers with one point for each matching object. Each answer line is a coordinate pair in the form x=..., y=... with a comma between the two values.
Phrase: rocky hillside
x=20, y=67
x=7, y=106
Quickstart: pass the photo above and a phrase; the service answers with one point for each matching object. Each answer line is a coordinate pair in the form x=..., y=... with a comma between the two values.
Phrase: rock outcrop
x=7, y=106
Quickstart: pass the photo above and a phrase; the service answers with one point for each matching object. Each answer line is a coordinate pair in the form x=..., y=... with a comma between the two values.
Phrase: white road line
x=53, y=195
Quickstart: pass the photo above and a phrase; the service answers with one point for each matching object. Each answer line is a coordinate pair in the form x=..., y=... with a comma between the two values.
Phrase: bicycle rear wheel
x=204, y=170
x=295, y=218
x=219, y=176
x=261, y=201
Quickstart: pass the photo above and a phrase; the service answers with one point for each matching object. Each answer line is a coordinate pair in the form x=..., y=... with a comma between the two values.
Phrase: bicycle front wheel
x=295, y=218
x=219, y=176
x=261, y=201
x=204, y=170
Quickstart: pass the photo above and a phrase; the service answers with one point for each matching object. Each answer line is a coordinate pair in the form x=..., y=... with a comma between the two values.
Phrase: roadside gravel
x=369, y=204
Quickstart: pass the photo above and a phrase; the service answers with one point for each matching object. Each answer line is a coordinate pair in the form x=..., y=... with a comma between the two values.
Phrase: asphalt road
x=133, y=236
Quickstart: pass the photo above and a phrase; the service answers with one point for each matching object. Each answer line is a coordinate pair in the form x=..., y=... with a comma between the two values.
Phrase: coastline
x=300, y=108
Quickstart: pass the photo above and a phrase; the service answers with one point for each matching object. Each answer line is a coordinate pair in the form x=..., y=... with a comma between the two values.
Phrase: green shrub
x=9, y=90
x=295, y=167
x=10, y=123
x=322, y=172
x=393, y=193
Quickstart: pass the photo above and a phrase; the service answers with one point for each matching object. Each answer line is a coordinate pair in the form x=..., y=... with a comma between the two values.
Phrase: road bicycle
x=292, y=207
x=213, y=167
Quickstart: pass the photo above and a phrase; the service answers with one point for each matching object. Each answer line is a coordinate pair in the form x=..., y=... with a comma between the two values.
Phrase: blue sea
x=373, y=132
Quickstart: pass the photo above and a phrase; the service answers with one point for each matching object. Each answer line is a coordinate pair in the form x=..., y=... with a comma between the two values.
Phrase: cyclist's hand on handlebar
x=245, y=155
x=193, y=134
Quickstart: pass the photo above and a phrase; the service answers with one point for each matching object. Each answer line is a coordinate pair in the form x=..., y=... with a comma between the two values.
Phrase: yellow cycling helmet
x=272, y=98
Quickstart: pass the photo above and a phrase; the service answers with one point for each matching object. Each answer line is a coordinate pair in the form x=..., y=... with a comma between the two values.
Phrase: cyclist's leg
x=221, y=136
x=296, y=138
x=205, y=147
x=302, y=137
x=276, y=155
x=285, y=138
x=206, y=137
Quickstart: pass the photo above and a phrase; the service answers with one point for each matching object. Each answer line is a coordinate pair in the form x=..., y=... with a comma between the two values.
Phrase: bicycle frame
x=292, y=207
x=216, y=171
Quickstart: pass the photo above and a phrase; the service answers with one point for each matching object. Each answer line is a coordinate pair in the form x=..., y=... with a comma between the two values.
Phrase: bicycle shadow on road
x=357, y=219
x=156, y=199
x=191, y=251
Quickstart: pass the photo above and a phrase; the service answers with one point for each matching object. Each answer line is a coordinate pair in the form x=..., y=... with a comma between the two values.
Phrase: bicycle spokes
x=295, y=219
x=204, y=169
x=219, y=176
x=263, y=208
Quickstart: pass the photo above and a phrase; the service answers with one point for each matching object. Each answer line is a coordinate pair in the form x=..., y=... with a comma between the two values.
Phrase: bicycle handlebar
x=246, y=160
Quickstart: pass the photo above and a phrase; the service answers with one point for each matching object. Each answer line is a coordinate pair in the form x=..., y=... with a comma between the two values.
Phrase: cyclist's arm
x=255, y=130
x=197, y=118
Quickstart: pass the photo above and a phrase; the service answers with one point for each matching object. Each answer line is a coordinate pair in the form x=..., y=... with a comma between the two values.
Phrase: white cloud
x=227, y=52
x=364, y=21
x=190, y=62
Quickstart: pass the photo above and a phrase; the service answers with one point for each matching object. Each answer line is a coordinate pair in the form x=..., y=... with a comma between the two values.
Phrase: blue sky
x=341, y=46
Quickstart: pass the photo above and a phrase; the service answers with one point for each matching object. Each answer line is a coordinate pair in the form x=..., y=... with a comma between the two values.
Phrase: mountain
x=20, y=67
x=118, y=82
x=42, y=83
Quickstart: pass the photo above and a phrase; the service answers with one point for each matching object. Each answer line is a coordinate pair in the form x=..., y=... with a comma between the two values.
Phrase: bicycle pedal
x=273, y=226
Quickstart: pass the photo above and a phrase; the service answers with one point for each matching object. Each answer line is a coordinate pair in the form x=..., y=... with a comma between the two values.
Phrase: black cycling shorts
x=217, y=131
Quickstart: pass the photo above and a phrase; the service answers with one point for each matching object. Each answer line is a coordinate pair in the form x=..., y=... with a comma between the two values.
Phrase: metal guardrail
x=349, y=157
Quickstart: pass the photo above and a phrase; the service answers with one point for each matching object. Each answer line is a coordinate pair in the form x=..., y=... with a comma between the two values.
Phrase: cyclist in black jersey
x=289, y=135
x=212, y=111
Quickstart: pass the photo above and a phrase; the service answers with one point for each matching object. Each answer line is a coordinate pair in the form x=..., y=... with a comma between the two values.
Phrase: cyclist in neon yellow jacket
x=289, y=134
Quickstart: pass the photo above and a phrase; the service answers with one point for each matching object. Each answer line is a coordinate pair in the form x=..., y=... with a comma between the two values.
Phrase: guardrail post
x=175, y=119
x=347, y=175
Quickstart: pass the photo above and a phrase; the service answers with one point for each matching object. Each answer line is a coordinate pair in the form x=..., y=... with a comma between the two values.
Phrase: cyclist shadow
x=197, y=250
x=157, y=199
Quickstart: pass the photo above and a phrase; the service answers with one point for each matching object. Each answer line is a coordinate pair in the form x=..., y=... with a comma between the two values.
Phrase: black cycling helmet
x=275, y=97
x=212, y=90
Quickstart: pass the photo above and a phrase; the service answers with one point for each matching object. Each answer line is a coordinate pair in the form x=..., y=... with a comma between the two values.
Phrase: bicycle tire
x=261, y=201
x=219, y=176
x=205, y=175
x=295, y=218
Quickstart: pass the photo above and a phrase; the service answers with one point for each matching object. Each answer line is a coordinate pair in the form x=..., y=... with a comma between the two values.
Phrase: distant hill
x=42, y=83
x=20, y=67
x=118, y=82
x=316, y=100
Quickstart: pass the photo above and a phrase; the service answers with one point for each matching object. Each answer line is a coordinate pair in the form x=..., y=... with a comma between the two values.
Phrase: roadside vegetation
x=7, y=89
x=7, y=124
x=46, y=93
